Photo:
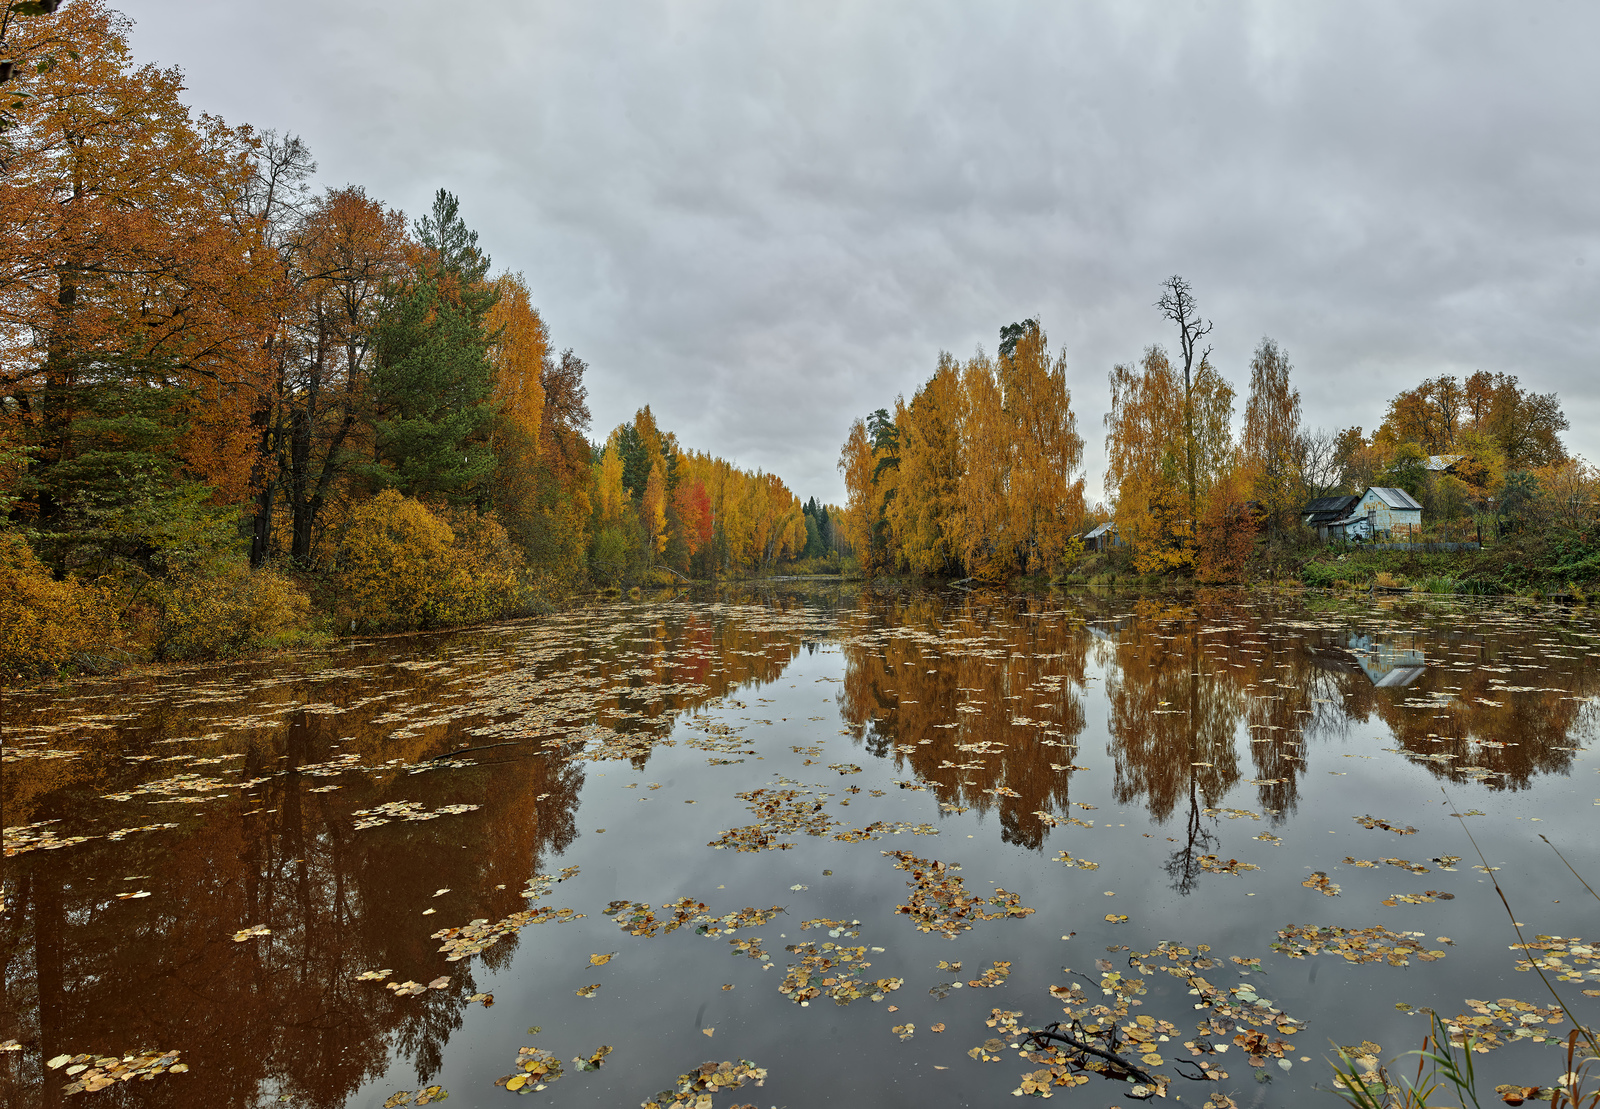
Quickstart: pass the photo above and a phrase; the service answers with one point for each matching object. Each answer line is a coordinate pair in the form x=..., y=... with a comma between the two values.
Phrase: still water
x=725, y=829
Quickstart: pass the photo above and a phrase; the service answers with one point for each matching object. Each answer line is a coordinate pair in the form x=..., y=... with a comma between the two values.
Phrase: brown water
x=1171, y=743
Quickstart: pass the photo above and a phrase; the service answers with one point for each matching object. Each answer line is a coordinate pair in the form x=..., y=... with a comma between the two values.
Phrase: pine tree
x=432, y=388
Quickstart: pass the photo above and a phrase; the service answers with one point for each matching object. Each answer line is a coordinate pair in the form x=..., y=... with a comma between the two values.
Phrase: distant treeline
x=980, y=473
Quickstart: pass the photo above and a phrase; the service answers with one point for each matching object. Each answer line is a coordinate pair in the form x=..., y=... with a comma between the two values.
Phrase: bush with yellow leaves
x=45, y=624
x=402, y=566
x=224, y=609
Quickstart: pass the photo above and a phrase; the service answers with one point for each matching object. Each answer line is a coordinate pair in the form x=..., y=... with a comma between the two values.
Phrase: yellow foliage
x=44, y=623
x=227, y=609
x=483, y=580
x=401, y=566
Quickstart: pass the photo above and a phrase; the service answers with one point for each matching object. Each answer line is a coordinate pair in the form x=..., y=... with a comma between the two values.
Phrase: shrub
x=403, y=567
x=225, y=609
x=483, y=580
x=392, y=557
x=45, y=624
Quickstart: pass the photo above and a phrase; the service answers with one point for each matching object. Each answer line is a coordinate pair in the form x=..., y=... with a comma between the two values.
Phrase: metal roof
x=1395, y=498
x=1327, y=509
x=1101, y=530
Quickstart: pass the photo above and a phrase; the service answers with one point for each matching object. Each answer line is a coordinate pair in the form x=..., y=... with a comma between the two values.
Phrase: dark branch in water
x=465, y=750
x=1053, y=1032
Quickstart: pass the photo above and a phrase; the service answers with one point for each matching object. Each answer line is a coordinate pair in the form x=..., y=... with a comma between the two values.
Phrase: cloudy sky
x=766, y=219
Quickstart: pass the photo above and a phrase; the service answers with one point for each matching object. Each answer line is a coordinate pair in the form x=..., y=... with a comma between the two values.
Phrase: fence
x=1415, y=546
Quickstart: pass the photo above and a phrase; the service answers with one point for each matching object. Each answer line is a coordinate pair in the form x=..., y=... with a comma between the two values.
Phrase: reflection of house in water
x=1386, y=664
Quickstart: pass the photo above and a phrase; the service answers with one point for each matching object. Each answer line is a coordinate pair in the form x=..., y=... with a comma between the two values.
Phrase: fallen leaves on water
x=1371, y=822
x=486, y=998
x=534, y=1069
x=91, y=1073
x=405, y=810
x=1213, y=864
x=1081, y=864
x=425, y=1096
x=601, y=960
x=940, y=902
x=832, y=970
x=1116, y=918
x=1418, y=898
x=595, y=1061
x=249, y=933
x=374, y=975
x=1319, y=882
x=1357, y=945
x=587, y=991
x=904, y=1031
x=994, y=976
x=477, y=935
x=1493, y=1024
x=1556, y=951
x=694, y=1090
x=1403, y=864
x=133, y=896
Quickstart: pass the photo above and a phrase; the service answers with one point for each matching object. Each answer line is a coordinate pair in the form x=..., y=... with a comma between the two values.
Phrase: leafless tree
x=1177, y=304
x=1320, y=464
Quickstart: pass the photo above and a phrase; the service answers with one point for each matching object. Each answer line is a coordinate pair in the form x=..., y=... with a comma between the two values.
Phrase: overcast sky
x=765, y=219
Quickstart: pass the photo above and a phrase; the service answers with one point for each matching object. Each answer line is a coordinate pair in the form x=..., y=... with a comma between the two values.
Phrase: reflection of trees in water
x=912, y=661
x=285, y=1015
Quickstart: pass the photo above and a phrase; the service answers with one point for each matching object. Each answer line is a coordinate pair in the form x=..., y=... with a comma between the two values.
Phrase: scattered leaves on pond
x=1081, y=864
x=587, y=991
x=1213, y=864
x=994, y=976
x=601, y=960
x=425, y=1096
x=940, y=902
x=1372, y=823
x=1320, y=882
x=405, y=810
x=251, y=932
x=595, y=1061
x=91, y=1073
x=834, y=971
x=1493, y=1024
x=1418, y=898
x=1556, y=950
x=1357, y=945
x=534, y=1070
x=694, y=1090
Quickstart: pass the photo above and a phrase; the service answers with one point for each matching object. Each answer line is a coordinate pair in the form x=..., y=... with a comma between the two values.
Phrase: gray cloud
x=767, y=219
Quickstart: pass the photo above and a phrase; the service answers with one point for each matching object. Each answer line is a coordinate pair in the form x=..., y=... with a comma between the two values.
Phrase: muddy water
x=624, y=825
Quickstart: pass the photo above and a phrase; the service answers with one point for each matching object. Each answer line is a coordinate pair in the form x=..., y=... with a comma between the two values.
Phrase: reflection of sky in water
x=1160, y=739
x=1386, y=663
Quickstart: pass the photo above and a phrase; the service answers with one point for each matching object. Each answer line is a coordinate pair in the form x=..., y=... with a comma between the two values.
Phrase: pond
x=850, y=843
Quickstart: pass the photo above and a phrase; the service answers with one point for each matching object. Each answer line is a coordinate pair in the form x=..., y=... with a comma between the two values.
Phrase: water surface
x=646, y=811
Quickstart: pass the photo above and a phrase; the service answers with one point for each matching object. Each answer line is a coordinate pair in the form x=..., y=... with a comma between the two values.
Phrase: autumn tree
x=133, y=300
x=1044, y=494
x=338, y=262
x=926, y=516
x=1272, y=444
x=1154, y=436
x=518, y=352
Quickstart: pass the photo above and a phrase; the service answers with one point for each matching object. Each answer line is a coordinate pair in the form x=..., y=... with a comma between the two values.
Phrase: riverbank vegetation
x=239, y=411
x=979, y=476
